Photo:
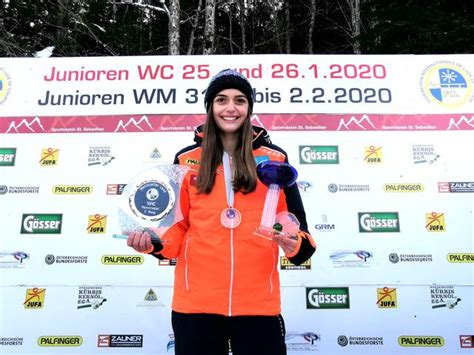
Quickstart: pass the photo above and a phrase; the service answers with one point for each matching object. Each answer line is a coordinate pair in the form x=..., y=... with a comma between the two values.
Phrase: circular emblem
x=447, y=84
x=5, y=85
x=49, y=259
x=342, y=340
x=3, y=189
x=332, y=188
x=152, y=200
x=393, y=257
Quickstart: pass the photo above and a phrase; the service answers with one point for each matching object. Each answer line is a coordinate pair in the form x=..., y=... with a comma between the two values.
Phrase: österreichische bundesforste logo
x=5, y=85
x=446, y=83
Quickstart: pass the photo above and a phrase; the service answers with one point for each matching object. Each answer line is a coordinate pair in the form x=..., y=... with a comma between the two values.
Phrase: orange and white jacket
x=229, y=271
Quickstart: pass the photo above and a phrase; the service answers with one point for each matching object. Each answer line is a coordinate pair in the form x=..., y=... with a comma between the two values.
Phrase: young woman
x=227, y=288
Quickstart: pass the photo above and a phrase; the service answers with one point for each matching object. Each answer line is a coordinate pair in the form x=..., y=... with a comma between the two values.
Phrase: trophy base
x=269, y=233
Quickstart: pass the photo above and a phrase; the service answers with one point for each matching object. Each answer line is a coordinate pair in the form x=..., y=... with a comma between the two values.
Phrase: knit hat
x=228, y=79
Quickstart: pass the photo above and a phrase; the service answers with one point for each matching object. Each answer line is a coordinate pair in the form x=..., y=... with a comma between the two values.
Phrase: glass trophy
x=151, y=200
x=276, y=175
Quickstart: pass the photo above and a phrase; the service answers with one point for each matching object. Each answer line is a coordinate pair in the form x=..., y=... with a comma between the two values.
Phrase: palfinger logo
x=420, y=341
x=61, y=340
x=460, y=257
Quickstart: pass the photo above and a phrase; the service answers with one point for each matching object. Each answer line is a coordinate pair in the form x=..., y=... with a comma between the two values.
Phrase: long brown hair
x=245, y=168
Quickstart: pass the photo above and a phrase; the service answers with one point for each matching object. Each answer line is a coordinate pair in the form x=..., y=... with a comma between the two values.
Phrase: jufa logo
x=7, y=156
x=97, y=224
x=378, y=222
x=435, y=222
x=319, y=154
x=41, y=223
x=387, y=297
x=34, y=298
x=373, y=155
x=49, y=157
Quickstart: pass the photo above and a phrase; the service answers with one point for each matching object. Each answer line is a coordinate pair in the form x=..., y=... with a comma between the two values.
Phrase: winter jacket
x=229, y=271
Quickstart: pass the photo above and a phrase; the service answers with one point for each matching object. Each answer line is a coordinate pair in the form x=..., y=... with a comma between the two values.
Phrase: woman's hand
x=286, y=241
x=140, y=241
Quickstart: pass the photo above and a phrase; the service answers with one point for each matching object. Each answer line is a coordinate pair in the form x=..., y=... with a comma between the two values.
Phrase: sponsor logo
x=167, y=262
x=11, y=341
x=325, y=227
x=122, y=259
x=466, y=341
x=72, y=189
x=41, y=223
x=5, y=85
x=115, y=189
x=62, y=340
x=155, y=154
x=171, y=342
x=49, y=157
x=456, y=187
x=413, y=258
x=435, y=222
x=443, y=297
x=424, y=154
x=420, y=341
x=327, y=298
x=13, y=260
x=50, y=259
x=387, y=297
x=460, y=257
x=90, y=297
x=4, y=189
x=151, y=300
x=100, y=156
x=34, y=298
x=304, y=186
x=373, y=155
x=7, y=156
x=398, y=187
x=120, y=341
x=97, y=224
x=379, y=222
x=191, y=161
x=446, y=83
x=26, y=126
x=348, y=188
x=351, y=258
x=286, y=264
x=343, y=340
x=319, y=154
x=301, y=341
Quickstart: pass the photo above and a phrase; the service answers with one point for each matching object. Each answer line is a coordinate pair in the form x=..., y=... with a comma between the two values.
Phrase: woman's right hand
x=140, y=241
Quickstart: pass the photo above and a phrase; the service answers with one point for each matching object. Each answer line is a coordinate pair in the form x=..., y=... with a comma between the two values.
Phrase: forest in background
x=161, y=27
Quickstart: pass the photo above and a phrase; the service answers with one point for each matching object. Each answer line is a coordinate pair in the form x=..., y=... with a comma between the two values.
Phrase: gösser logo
x=319, y=154
x=378, y=222
x=327, y=297
x=41, y=223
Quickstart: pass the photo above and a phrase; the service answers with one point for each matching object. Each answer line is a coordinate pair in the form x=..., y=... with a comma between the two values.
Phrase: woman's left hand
x=286, y=241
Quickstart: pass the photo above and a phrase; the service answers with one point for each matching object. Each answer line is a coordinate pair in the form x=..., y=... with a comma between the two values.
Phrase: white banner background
x=385, y=102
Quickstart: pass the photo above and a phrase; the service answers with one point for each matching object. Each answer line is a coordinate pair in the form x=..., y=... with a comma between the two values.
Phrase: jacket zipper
x=231, y=282
x=186, y=263
x=273, y=268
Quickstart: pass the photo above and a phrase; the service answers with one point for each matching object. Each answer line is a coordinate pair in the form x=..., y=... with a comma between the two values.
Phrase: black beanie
x=228, y=79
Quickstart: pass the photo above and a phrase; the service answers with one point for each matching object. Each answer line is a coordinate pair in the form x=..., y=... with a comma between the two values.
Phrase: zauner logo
x=319, y=154
x=41, y=223
x=378, y=222
x=327, y=297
